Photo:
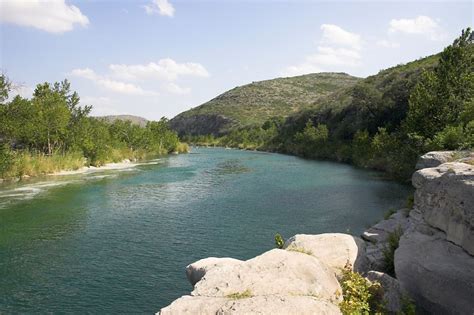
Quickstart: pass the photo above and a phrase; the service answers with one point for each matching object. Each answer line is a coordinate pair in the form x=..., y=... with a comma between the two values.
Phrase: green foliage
x=389, y=251
x=360, y=296
x=279, y=241
x=408, y=307
x=240, y=295
x=443, y=97
x=51, y=132
x=5, y=160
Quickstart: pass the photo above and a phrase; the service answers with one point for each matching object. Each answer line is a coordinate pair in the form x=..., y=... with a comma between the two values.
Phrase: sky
x=155, y=58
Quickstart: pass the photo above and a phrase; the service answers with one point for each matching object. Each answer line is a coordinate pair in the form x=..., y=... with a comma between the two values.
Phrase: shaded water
x=118, y=241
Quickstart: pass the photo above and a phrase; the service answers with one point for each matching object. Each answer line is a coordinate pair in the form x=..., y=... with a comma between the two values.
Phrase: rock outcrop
x=300, y=279
x=377, y=238
x=436, y=273
x=198, y=269
x=203, y=124
x=335, y=249
x=434, y=262
x=445, y=197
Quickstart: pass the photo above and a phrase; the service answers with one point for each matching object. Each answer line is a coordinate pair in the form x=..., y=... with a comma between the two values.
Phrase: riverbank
x=417, y=259
x=25, y=165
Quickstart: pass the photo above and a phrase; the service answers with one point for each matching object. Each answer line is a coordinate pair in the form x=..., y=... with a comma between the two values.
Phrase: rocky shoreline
x=433, y=262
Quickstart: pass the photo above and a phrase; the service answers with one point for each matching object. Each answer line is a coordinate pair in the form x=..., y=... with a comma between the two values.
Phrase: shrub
x=279, y=241
x=408, y=307
x=360, y=296
x=389, y=251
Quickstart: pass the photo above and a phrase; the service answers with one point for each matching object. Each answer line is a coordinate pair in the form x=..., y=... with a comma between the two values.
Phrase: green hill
x=254, y=103
x=135, y=120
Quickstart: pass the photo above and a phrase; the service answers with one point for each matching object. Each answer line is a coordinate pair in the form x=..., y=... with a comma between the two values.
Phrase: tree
x=442, y=95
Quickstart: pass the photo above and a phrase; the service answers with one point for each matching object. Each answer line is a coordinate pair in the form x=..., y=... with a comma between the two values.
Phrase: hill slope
x=254, y=103
x=136, y=120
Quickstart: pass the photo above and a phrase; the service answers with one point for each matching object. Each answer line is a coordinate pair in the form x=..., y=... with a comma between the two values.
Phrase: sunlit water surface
x=118, y=241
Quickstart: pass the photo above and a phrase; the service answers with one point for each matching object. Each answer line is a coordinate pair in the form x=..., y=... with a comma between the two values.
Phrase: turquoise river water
x=117, y=241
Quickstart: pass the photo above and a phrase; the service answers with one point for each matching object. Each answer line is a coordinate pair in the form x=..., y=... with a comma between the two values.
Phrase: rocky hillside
x=254, y=103
x=137, y=120
x=428, y=250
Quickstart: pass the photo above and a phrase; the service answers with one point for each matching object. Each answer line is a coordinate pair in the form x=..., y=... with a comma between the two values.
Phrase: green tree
x=444, y=94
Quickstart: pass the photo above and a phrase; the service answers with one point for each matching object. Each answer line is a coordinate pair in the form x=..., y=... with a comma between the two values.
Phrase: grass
x=240, y=295
x=299, y=250
x=31, y=164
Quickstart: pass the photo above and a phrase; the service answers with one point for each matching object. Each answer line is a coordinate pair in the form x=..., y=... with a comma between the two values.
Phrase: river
x=117, y=241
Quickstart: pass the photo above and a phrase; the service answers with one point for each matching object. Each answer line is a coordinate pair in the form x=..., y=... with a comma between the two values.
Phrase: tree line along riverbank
x=52, y=132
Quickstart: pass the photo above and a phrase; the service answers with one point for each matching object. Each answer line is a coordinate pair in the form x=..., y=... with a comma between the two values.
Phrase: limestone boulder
x=253, y=305
x=445, y=197
x=433, y=159
x=276, y=272
x=436, y=273
x=197, y=270
x=333, y=249
x=377, y=235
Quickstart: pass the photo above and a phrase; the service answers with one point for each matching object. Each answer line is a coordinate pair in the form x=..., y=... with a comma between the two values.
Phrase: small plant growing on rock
x=407, y=306
x=279, y=241
x=393, y=240
x=360, y=296
x=299, y=250
x=389, y=213
x=410, y=201
x=240, y=295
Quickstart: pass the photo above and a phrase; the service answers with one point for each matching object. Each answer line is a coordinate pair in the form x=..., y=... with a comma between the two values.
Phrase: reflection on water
x=116, y=241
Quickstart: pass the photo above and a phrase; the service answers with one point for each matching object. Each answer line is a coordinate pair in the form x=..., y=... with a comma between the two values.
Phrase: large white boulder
x=445, y=197
x=276, y=282
x=273, y=304
x=334, y=249
x=197, y=270
x=276, y=272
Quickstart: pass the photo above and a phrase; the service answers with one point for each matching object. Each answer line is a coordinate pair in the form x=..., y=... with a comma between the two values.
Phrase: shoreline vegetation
x=384, y=122
x=50, y=133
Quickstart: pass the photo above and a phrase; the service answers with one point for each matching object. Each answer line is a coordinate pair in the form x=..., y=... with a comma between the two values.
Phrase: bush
x=279, y=241
x=360, y=296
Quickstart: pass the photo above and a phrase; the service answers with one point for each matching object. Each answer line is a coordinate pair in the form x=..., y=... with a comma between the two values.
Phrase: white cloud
x=421, y=25
x=166, y=69
x=162, y=7
x=338, y=50
x=112, y=85
x=101, y=106
x=387, y=44
x=173, y=88
x=335, y=35
x=54, y=16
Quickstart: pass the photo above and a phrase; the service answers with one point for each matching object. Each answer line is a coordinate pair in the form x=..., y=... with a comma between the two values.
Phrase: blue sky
x=157, y=58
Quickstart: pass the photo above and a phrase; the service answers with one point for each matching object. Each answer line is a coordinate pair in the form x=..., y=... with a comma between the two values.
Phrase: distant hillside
x=254, y=103
x=137, y=120
x=380, y=100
